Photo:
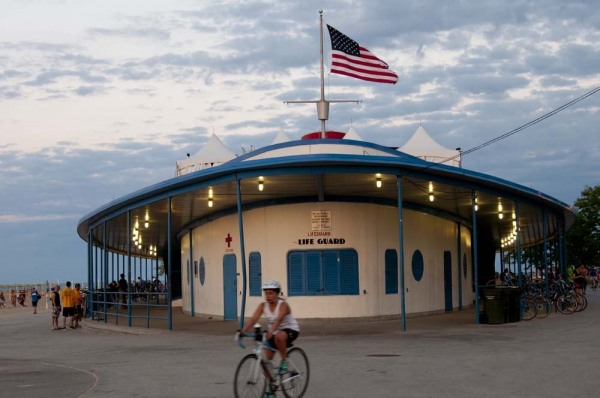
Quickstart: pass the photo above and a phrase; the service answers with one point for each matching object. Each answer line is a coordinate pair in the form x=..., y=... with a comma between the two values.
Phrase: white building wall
x=369, y=229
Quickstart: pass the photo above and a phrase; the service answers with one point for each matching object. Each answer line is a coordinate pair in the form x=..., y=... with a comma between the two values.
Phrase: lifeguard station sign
x=320, y=234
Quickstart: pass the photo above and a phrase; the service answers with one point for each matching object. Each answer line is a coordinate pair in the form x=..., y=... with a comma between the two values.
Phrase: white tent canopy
x=281, y=137
x=352, y=134
x=213, y=153
x=423, y=146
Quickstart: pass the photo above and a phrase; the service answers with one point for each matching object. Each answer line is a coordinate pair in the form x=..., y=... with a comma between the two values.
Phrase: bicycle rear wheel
x=249, y=381
x=566, y=304
x=295, y=382
x=581, y=302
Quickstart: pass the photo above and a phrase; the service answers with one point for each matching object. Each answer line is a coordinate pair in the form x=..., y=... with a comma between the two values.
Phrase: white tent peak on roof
x=352, y=134
x=281, y=137
x=421, y=145
x=213, y=153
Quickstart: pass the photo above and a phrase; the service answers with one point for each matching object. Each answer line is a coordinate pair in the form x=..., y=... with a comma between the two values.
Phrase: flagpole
x=322, y=105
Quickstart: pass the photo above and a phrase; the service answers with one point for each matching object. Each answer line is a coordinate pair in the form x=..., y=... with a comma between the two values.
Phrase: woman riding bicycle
x=283, y=327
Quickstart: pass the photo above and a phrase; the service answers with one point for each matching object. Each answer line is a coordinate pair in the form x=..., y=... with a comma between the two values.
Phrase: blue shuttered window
x=391, y=271
x=296, y=274
x=255, y=271
x=313, y=273
x=331, y=273
x=323, y=272
x=349, y=271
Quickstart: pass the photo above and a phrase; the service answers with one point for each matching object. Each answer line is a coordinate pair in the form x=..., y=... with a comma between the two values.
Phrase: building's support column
x=475, y=262
x=242, y=252
x=401, y=253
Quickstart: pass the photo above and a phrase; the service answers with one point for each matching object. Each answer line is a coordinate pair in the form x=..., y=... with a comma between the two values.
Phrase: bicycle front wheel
x=295, y=382
x=543, y=306
x=528, y=309
x=249, y=381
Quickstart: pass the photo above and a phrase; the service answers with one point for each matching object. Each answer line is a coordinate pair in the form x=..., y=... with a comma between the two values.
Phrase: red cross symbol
x=228, y=239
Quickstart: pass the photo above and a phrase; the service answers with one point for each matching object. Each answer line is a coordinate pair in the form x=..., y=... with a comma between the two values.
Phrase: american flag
x=351, y=59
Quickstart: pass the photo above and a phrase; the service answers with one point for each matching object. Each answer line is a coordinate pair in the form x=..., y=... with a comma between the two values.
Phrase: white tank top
x=288, y=321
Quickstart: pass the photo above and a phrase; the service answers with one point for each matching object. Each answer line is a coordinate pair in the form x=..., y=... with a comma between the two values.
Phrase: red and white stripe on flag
x=365, y=67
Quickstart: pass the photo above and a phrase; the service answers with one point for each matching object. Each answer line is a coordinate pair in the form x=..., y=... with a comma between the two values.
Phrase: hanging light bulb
x=378, y=182
x=137, y=224
x=146, y=220
x=210, y=202
x=210, y=193
x=431, y=198
x=261, y=184
x=476, y=205
x=500, y=215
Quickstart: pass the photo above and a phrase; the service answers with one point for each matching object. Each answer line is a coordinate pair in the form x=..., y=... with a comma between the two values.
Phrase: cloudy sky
x=100, y=98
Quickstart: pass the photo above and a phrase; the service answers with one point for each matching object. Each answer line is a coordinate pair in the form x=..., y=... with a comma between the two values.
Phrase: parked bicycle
x=564, y=300
x=256, y=375
x=529, y=305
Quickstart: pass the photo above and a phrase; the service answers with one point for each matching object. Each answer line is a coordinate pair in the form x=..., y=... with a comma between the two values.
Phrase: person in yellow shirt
x=67, y=299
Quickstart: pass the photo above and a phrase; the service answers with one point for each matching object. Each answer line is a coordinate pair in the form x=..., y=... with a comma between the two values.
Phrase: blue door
x=230, y=287
x=448, y=280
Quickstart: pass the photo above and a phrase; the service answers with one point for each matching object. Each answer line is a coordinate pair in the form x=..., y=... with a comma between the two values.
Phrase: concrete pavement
x=438, y=356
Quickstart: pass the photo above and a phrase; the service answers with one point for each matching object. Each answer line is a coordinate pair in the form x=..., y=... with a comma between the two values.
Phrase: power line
x=526, y=125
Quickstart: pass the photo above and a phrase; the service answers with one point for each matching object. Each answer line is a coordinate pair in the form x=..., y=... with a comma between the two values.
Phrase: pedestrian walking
x=35, y=297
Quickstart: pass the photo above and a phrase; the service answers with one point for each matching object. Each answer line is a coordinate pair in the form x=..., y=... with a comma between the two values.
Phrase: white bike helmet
x=271, y=285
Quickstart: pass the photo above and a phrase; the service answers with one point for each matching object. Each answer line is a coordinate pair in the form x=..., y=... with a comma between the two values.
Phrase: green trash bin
x=513, y=303
x=494, y=303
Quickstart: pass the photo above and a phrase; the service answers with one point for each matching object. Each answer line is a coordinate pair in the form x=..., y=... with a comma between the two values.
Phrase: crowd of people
x=583, y=276
x=117, y=292
x=580, y=277
x=15, y=298
x=67, y=303
x=19, y=297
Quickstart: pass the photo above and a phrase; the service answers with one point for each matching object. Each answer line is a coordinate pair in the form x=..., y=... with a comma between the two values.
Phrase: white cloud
x=92, y=92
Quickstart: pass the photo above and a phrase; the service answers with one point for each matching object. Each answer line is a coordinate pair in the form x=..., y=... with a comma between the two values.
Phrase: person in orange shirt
x=78, y=301
x=67, y=298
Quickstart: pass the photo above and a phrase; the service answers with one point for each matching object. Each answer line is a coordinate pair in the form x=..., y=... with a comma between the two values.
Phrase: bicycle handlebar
x=239, y=338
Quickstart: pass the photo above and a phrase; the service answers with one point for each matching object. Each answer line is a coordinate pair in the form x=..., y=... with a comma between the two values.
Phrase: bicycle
x=529, y=307
x=255, y=373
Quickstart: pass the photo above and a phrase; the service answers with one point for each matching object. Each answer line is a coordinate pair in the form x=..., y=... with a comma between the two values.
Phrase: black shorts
x=291, y=334
x=581, y=281
x=68, y=311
